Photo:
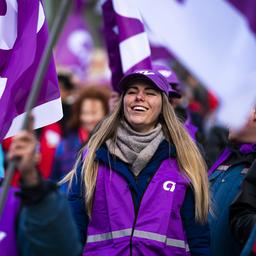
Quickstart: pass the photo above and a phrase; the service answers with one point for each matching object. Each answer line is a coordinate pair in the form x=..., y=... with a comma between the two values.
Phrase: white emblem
x=146, y=72
x=169, y=185
x=8, y=25
x=3, y=82
x=165, y=73
x=2, y=235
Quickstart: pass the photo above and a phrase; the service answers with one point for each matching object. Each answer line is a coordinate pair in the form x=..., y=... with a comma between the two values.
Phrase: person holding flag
x=23, y=40
x=37, y=217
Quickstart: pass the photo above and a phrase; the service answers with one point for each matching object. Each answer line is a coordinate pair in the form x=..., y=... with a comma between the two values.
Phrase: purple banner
x=20, y=67
x=117, y=29
x=112, y=43
x=3, y=7
x=75, y=45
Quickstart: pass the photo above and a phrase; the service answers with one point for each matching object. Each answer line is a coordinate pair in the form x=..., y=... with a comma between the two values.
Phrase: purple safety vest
x=7, y=225
x=156, y=229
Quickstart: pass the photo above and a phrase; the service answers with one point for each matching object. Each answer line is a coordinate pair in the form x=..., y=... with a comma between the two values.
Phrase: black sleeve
x=77, y=204
x=242, y=213
x=198, y=234
x=45, y=224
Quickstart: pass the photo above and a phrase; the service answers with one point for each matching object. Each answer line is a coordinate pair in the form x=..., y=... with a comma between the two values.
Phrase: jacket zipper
x=137, y=210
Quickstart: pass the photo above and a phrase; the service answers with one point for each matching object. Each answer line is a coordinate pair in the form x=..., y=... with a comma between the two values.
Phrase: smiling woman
x=141, y=180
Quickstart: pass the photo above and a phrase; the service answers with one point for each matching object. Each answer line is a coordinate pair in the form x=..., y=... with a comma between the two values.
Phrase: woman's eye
x=151, y=93
x=131, y=92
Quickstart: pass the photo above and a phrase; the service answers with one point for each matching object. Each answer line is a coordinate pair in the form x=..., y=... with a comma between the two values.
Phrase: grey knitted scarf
x=135, y=148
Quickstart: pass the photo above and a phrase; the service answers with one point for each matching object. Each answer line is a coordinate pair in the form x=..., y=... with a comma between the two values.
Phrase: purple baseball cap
x=172, y=79
x=153, y=77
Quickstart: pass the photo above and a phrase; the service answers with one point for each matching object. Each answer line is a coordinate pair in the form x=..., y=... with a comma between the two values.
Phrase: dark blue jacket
x=65, y=155
x=44, y=224
x=198, y=235
x=225, y=184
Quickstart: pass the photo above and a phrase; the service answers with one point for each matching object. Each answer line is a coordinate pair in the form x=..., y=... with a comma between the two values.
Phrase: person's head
x=144, y=103
x=176, y=89
x=248, y=133
x=142, y=99
x=66, y=85
x=90, y=108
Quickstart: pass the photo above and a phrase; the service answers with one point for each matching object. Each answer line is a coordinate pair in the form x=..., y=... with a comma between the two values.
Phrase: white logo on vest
x=169, y=185
x=2, y=235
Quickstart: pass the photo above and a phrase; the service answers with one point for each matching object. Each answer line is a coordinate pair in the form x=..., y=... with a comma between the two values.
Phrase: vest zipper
x=133, y=226
x=137, y=210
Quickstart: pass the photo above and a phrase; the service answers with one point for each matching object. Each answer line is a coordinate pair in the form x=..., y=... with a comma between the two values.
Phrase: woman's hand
x=23, y=152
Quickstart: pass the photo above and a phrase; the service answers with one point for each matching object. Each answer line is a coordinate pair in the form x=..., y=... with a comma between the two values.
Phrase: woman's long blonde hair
x=189, y=158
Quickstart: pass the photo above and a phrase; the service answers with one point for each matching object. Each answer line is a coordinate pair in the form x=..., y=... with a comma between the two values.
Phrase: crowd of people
x=144, y=172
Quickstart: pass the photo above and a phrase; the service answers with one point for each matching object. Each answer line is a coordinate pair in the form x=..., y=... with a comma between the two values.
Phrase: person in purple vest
x=226, y=177
x=140, y=187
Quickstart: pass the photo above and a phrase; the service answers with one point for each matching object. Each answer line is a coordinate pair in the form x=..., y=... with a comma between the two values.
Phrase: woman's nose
x=140, y=96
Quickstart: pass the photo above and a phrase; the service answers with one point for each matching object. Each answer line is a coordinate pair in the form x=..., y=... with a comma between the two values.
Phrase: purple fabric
x=224, y=156
x=128, y=27
x=3, y=7
x=248, y=10
x=172, y=79
x=7, y=225
x=161, y=53
x=191, y=129
x=113, y=210
x=143, y=64
x=75, y=45
x=247, y=148
x=79, y=5
x=167, y=73
x=116, y=29
x=112, y=42
x=21, y=65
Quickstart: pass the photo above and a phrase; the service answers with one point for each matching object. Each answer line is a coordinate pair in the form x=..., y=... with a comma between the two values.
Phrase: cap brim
x=128, y=80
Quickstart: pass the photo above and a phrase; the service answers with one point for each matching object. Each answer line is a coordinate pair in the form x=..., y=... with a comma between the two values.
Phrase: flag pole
x=37, y=83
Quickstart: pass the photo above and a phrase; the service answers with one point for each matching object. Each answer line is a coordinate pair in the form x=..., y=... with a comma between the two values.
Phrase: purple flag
x=3, y=7
x=22, y=40
x=7, y=224
x=75, y=45
x=127, y=42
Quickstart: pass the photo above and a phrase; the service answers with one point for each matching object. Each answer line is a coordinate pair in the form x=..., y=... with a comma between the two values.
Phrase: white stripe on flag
x=213, y=40
x=3, y=81
x=49, y=112
x=126, y=9
x=133, y=50
x=8, y=26
x=41, y=18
